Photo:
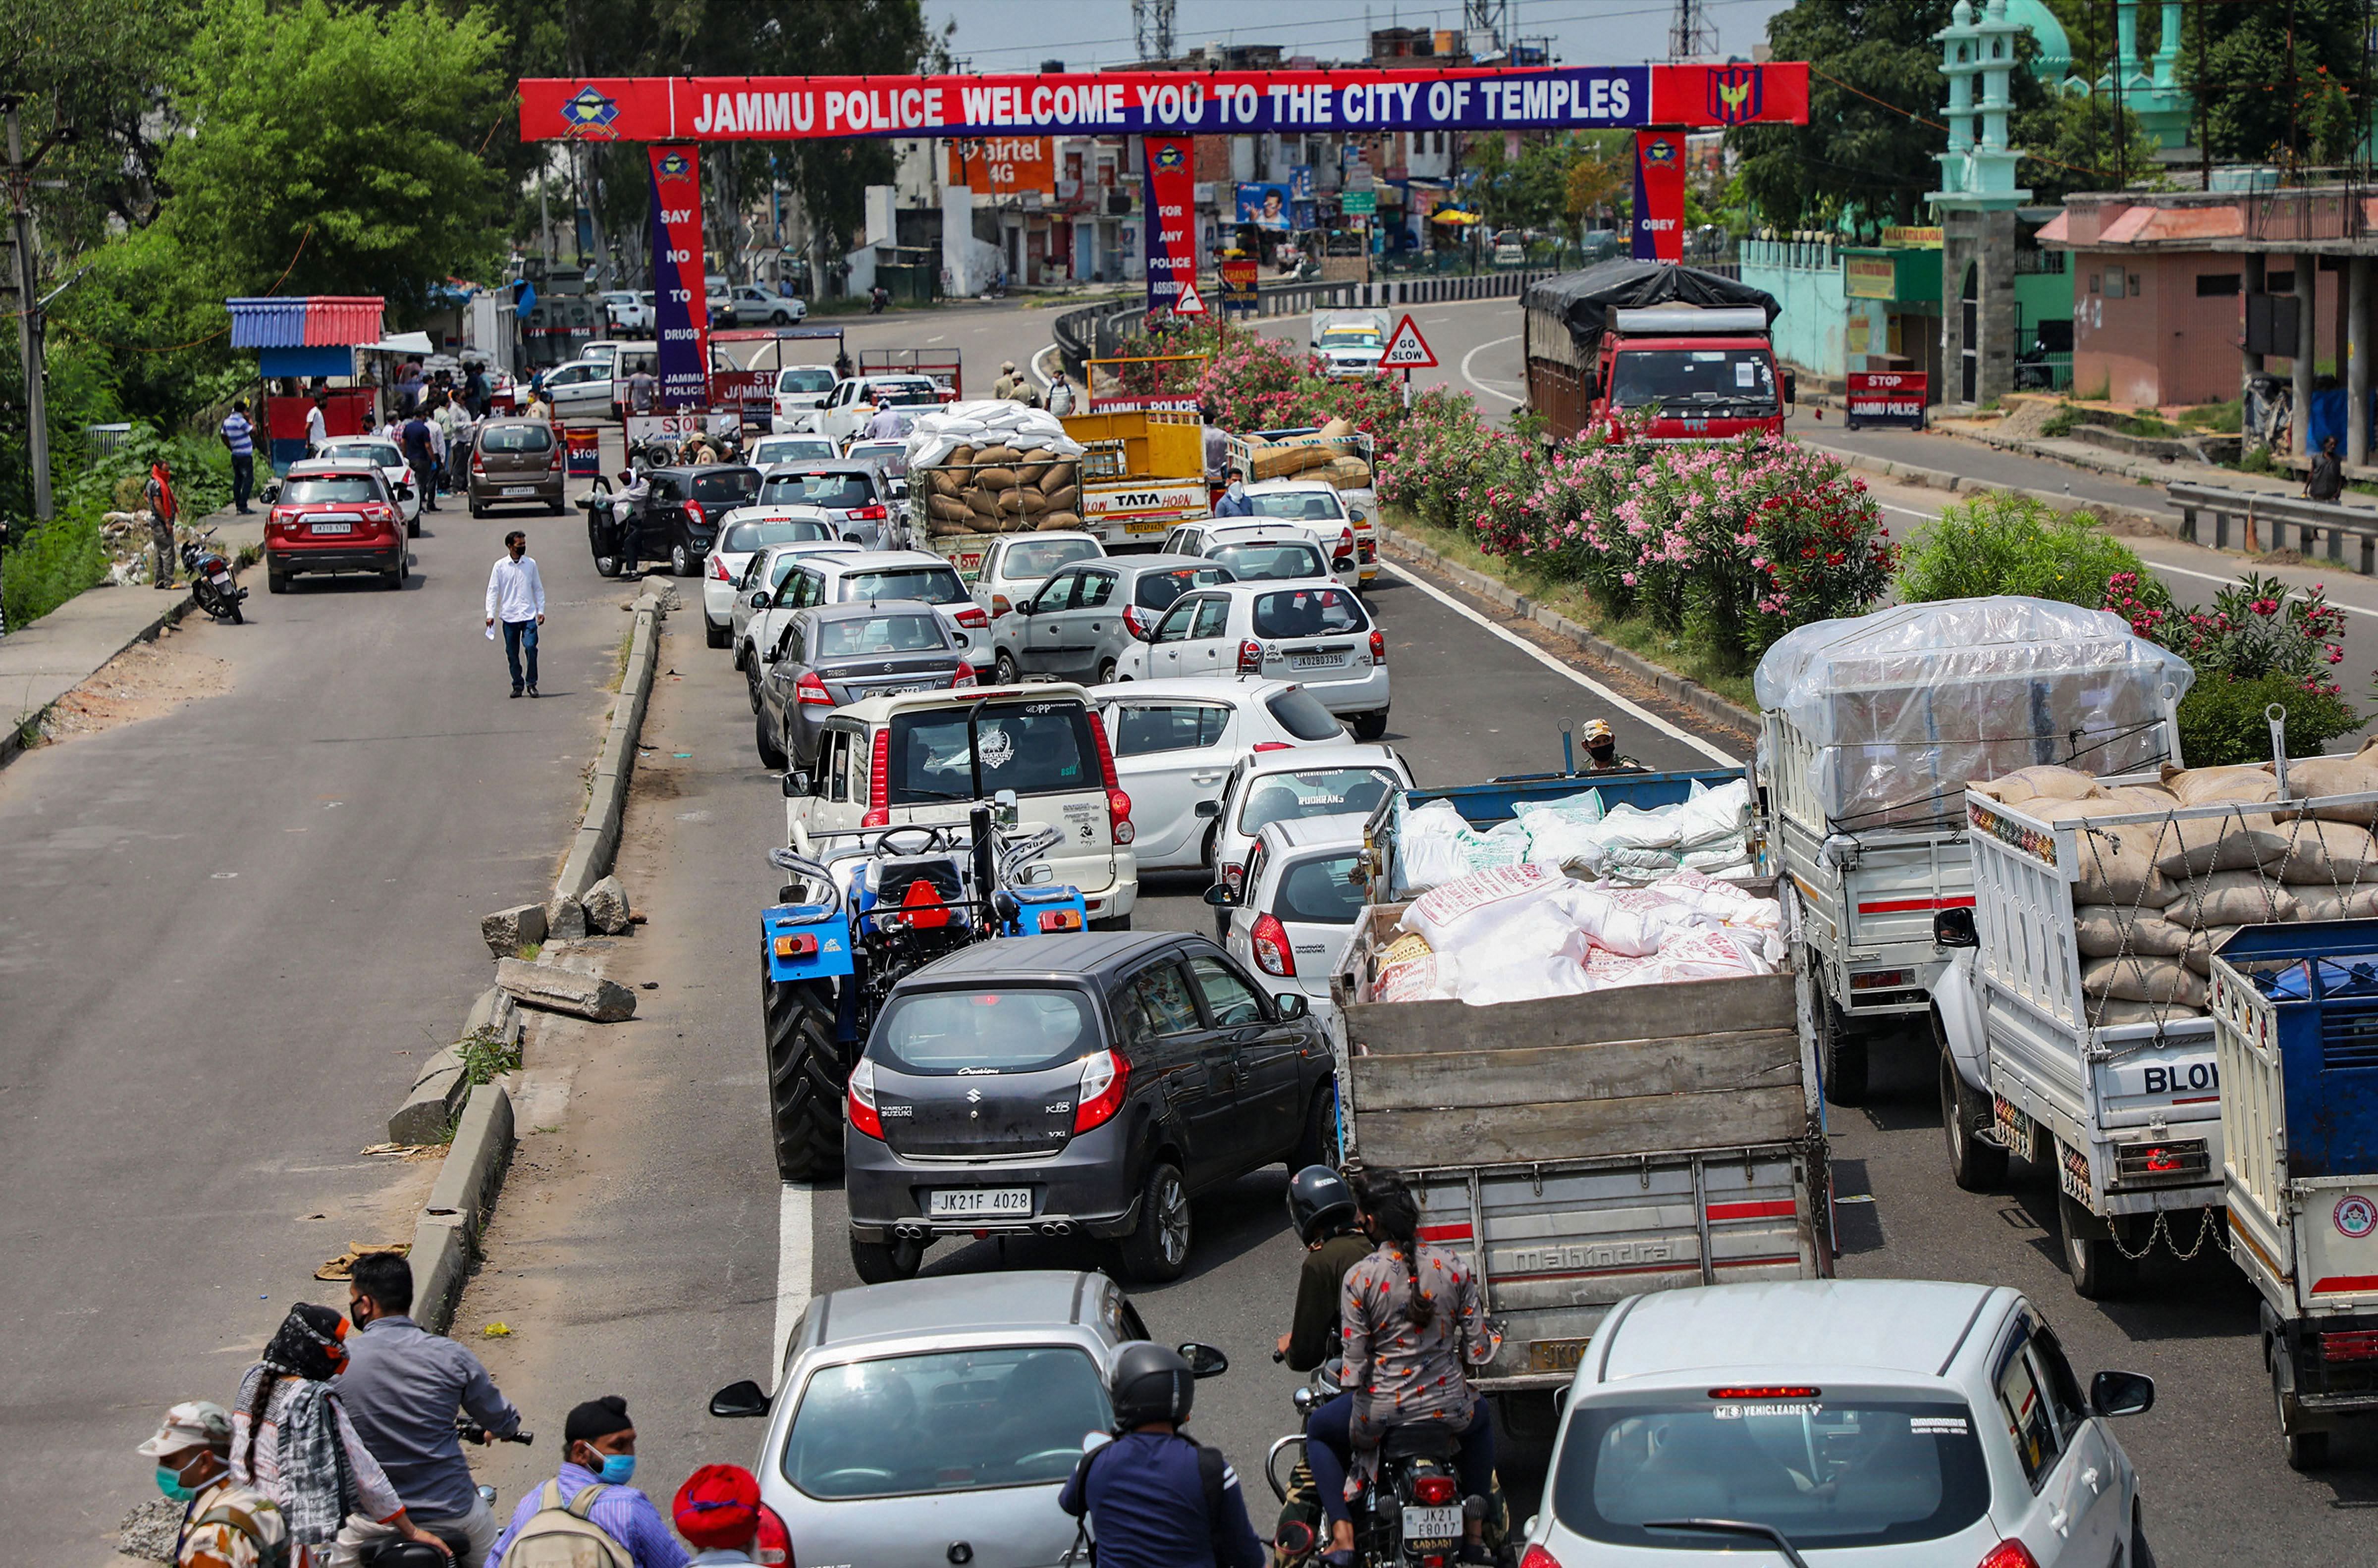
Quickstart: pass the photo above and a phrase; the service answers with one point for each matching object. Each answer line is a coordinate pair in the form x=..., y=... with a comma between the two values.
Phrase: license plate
x=897, y=691
x=220, y=579
x=1316, y=661
x=1159, y=526
x=963, y=1202
x=1431, y=1524
x=1556, y=1355
x=520, y=489
x=330, y=528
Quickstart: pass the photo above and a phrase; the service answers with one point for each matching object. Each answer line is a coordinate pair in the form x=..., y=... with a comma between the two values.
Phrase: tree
x=2068, y=143
x=1595, y=185
x=1866, y=155
x=2277, y=81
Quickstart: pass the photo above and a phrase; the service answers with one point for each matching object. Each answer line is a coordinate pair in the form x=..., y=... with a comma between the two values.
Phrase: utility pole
x=29, y=301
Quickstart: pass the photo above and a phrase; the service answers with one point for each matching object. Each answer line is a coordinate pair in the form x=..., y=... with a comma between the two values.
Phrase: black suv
x=1076, y=1085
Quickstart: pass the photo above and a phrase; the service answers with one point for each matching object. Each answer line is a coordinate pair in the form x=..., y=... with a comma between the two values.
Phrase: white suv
x=1315, y=633
x=800, y=390
x=928, y=756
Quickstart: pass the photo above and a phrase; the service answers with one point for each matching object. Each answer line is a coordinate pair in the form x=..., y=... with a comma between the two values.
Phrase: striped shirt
x=241, y=434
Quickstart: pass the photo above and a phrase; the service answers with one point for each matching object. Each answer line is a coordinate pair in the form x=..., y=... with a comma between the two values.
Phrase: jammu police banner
x=680, y=303
x=1659, y=196
x=1172, y=230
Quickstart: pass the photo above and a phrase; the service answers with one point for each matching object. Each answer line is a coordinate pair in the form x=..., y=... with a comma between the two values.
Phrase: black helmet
x=1150, y=1382
x=1318, y=1201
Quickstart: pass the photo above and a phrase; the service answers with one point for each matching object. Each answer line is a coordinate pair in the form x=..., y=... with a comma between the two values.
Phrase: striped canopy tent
x=313, y=336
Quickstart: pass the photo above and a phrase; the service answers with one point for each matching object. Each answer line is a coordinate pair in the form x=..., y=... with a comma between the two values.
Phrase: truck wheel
x=2099, y=1269
x=1841, y=1056
x=805, y=1078
x=1319, y=1145
x=1157, y=1252
x=2306, y=1450
x=1976, y=1165
x=771, y=754
x=885, y=1262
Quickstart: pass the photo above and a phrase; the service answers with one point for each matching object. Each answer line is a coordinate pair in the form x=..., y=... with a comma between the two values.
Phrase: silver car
x=936, y=1420
x=1078, y=625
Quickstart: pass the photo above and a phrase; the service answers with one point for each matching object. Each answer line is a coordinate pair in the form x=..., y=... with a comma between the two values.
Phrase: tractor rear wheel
x=807, y=1076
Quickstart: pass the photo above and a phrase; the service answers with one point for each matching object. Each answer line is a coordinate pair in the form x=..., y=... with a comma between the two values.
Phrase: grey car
x=1076, y=627
x=1076, y=1085
x=840, y=653
x=856, y=495
x=935, y=1420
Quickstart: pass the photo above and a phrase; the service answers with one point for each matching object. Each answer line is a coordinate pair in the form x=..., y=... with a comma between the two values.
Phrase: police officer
x=1154, y=1497
x=1602, y=751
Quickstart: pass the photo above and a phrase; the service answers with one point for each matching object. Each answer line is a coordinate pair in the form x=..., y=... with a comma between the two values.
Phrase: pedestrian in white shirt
x=318, y=430
x=516, y=596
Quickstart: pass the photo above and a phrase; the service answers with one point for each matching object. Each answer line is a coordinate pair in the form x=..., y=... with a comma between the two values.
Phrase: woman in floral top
x=1414, y=1326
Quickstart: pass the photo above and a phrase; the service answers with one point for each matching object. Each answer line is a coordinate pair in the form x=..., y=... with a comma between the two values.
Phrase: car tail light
x=1232, y=875
x=867, y=514
x=810, y=692
x=1251, y=657
x=999, y=605
x=965, y=677
x=1433, y=1491
x=879, y=783
x=2354, y=1345
x=1378, y=646
x=1273, y=954
x=2007, y=1554
x=1105, y=1078
x=379, y=512
x=284, y=517
x=1119, y=826
x=864, y=1118
x=923, y=908
x=695, y=515
x=773, y=1546
x=1274, y=746
x=1537, y=1557
x=973, y=618
x=1136, y=623
x=478, y=460
x=553, y=457
x=1773, y=1392
x=718, y=570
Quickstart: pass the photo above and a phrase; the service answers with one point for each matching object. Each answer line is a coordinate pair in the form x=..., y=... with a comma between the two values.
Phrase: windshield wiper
x=1769, y=1534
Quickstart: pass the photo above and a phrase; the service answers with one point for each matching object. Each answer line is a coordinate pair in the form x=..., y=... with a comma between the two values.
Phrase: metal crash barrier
x=2258, y=513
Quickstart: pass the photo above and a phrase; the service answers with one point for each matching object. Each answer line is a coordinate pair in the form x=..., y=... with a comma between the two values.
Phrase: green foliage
x=2070, y=144
x=2220, y=418
x=2222, y=722
x=1854, y=156
x=2062, y=421
x=1534, y=190
x=2002, y=543
x=485, y=1057
x=50, y=565
x=2275, y=80
x=2257, y=459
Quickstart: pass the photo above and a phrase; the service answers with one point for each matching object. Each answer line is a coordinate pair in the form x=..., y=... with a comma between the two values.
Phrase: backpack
x=560, y=1536
x=1210, y=1468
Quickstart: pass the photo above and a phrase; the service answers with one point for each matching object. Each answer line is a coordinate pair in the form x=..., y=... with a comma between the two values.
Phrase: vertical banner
x=1171, y=227
x=680, y=299
x=1659, y=196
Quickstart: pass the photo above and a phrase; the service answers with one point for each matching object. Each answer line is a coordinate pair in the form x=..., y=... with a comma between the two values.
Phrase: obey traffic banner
x=1659, y=196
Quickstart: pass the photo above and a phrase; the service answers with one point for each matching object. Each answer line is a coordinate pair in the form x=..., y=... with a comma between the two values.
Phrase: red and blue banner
x=680, y=300
x=1173, y=226
x=1659, y=196
x=1159, y=102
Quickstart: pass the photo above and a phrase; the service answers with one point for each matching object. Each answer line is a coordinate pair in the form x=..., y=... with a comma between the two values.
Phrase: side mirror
x=1790, y=386
x=2121, y=1394
x=759, y=599
x=797, y=784
x=1209, y=808
x=1955, y=928
x=273, y=492
x=1220, y=896
x=1206, y=1361
x=1292, y=1006
x=739, y=1400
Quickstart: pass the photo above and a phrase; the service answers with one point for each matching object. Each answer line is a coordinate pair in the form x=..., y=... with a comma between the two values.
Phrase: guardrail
x=2281, y=512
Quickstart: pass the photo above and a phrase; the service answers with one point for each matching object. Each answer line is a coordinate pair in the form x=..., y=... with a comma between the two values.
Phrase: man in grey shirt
x=401, y=1389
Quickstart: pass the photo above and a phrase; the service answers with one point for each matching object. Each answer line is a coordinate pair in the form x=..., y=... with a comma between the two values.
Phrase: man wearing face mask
x=598, y=1457
x=226, y=1524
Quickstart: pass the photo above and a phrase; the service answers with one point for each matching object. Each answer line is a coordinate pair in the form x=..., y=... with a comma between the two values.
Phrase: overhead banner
x=1159, y=102
x=1659, y=196
x=680, y=305
x=1172, y=230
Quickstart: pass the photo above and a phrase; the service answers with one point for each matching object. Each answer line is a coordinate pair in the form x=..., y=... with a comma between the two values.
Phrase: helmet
x=1149, y=1382
x=1318, y=1200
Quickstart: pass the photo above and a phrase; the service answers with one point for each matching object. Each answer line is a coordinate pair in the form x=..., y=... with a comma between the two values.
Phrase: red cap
x=718, y=1506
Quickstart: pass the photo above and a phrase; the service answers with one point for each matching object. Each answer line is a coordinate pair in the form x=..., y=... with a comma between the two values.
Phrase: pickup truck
x=1580, y=1154
x=1349, y=342
x=1652, y=350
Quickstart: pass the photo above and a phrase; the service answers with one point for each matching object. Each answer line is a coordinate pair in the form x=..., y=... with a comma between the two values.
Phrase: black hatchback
x=1076, y=1085
x=681, y=514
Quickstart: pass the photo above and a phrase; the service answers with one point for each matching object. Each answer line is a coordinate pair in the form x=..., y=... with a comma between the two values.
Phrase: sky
x=1017, y=35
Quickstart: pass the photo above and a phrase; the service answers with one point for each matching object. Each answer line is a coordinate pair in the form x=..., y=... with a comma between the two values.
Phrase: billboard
x=1264, y=206
x=1003, y=165
x=1172, y=219
x=681, y=305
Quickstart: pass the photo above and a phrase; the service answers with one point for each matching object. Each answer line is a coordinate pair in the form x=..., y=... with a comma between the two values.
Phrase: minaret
x=1977, y=202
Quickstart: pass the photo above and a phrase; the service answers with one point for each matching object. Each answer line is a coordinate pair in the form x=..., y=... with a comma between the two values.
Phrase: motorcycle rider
x=1415, y=1323
x=1321, y=1207
x=1156, y=1497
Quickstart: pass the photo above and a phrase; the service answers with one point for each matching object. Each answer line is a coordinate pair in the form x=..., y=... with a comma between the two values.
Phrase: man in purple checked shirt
x=599, y=1449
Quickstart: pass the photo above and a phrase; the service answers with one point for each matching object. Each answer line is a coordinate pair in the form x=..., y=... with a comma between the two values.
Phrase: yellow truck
x=1139, y=473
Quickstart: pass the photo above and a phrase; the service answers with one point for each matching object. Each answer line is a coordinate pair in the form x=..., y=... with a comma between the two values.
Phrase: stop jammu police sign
x=1889, y=399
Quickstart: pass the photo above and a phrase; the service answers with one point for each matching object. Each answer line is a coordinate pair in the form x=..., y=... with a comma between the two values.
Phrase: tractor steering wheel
x=936, y=838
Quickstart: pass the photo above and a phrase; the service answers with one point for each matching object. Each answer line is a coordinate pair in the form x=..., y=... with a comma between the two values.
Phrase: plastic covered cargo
x=1898, y=709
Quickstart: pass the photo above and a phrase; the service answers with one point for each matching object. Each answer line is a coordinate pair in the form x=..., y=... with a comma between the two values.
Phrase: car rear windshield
x=1039, y=558
x=1311, y=506
x=791, y=448
x=1272, y=563
x=1328, y=891
x=1011, y=1029
x=958, y=1420
x=1838, y=1473
x=892, y=457
x=380, y=453
x=843, y=492
x=734, y=485
x=904, y=394
x=538, y=438
x=1157, y=589
x=1307, y=611
x=805, y=379
x=934, y=585
x=1300, y=714
x=879, y=634
x=973, y=752
x=745, y=537
x=1314, y=792
x=1693, y=376
x=331, y=487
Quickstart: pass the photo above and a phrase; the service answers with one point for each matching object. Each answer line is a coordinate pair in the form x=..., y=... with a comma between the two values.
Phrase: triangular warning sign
x=1406, y=349
x=1188, y=304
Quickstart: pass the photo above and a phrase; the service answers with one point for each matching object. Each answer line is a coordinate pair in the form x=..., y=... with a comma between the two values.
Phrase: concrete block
x=565, y=920
x=508, y=930
x=496, y=1011
x=606, y=907
x=473, y=1167
x=435, y=1097
x=561, y=990
x=441, y=1261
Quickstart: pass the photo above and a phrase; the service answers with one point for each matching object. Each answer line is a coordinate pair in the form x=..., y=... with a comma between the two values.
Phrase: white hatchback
x=1315, y=633
x=1210, y=536
x=752, y=625
x=389, y=458
x=1304, y=891
x=743, y=533
x=1277, y=786
x=1177, y=741
x=1322, y=507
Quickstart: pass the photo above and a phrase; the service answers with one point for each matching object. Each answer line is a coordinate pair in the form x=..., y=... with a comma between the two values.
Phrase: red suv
x=334, y=514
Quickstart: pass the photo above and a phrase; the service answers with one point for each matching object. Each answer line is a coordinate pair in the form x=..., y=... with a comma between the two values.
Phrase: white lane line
x=1481, y=385
x=1524, y=646
x=937, y=337
x=792, y=1248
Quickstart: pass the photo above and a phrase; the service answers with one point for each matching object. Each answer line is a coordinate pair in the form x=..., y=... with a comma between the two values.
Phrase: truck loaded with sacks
x=981, y=468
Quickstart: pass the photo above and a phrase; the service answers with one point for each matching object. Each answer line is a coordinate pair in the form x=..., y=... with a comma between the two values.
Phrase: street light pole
x=28, y=310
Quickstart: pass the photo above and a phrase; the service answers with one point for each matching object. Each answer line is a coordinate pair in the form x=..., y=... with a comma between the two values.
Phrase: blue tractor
x=857, y=919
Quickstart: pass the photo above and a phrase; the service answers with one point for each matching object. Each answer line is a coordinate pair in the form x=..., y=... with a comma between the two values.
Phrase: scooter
x=1412, y=1516
x=210, y=580
x=396, y=1551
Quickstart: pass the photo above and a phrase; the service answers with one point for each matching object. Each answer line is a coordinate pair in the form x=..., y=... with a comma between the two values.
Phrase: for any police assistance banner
x=1171, y=222
x=680, y=306
x=1159, y=102
x=1659, y=196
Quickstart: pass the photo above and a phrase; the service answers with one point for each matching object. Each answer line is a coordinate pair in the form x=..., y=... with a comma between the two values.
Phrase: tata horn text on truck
x=1652, y=350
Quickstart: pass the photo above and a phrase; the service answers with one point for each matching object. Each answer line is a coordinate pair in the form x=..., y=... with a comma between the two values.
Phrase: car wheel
x=2141, y=1554
x=2096, y=1262
x=1319, y=1145
x=772, y=753
x=751, y=681
x=393, y=577
x=1157, y=1251
x=1003, y=671
x=885, y=1262
x=1106, y=672
x=679, y=562
x=477, y=511
x=742, y=654
x=276, y=583
x=717, y=636
x=557, y=509
x=1369, y=727
x=780, y=318
x=805, y=1078
x=413, y=526
x=1976, y=1166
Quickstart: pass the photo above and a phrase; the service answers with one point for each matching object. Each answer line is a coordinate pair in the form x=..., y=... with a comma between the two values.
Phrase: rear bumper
x=1084, y=1188
x=1110, y=890
x=1367, y=694
x=717, y=601
x=489, y=491
x=299, y=562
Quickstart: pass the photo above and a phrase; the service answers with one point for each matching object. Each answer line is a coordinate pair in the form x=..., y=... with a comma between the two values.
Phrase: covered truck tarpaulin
x=1583, y=301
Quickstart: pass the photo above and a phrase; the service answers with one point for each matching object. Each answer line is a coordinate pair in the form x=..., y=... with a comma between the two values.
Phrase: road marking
x=1474, y=381
x=1555, y=666
x=793, y=1248
x=937, y=337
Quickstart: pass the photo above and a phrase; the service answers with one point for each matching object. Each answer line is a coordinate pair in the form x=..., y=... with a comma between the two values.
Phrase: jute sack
x=2321, y=853
x=997, y=455
x=2118, y=867
x=1060, y=519
x=2337, y=903
x=2229, y=898
x=995, y=478
x=942, y=484
x=946, y=509
x=2311, y=777
x=2052, y=782
x=1062, y=498
x=1060, y=474
x=2106, y=1011
x=2103, y=930
x=2199, y=956
x=2235, y=840
x=2218, y=787
x=2138, y=979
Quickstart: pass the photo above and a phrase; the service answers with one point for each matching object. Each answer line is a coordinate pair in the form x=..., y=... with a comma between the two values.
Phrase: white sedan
x=581, y=388
x=1176, y=743
x=1313, y=633
x=743, y=533
x=389, y=459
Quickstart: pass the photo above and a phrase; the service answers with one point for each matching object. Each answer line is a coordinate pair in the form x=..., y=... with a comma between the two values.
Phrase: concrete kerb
x=459, y=1201
x=598, y=835
x=1938, y=479
x=12, y=742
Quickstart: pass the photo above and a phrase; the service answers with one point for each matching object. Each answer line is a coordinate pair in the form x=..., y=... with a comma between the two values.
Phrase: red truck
x=1652, y=350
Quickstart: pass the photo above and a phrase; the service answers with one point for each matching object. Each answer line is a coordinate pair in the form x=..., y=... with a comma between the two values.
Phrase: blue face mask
x=617, y=1469
x=170, y=1483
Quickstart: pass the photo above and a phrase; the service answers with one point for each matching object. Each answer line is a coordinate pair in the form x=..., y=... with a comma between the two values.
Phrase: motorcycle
x=212, y=582
x=877, y=298
x=1411, y=1515
x=396, y=1551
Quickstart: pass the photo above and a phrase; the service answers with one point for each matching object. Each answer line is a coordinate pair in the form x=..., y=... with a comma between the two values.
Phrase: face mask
x=170, y=1483
x=617, y=1469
